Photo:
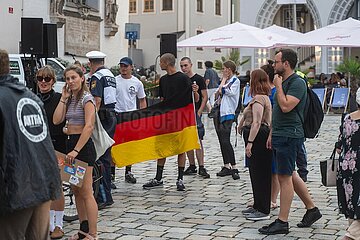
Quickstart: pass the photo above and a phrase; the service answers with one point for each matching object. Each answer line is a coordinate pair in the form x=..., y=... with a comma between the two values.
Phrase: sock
x=52, y=220
x=127, y=169
x=59, y=218
x=280, y=221
x=159, y=172
x=201, y=166
x=180, y=173
x=192, y=166
x=84, y=226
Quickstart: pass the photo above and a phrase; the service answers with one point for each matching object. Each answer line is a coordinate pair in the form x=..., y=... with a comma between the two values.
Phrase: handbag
x=215, y=110
x=328, y=170
x=102, y=140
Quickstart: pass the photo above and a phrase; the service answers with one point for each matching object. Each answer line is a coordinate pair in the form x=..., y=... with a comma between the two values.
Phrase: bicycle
x=70, y=212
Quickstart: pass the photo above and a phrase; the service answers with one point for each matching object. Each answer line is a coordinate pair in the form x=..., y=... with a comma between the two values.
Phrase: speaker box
x=31, y=35
x=50, y=48
x=168, y=44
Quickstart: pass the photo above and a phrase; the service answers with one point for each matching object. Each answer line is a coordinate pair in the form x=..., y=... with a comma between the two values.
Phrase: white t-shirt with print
x=126, y=92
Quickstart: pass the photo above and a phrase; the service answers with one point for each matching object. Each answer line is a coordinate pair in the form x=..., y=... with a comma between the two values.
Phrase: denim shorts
x=285, y=151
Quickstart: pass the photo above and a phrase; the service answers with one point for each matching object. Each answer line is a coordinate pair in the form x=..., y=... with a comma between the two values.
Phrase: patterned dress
x=348, y=177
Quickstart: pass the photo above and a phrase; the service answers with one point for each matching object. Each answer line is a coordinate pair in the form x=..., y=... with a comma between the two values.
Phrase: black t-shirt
x=200, y=81
x=170, y=85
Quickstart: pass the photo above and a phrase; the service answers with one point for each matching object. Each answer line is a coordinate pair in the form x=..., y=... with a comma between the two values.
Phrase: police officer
x=103, y=87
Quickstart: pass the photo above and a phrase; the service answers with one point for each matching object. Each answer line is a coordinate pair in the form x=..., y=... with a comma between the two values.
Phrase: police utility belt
x=106, y=113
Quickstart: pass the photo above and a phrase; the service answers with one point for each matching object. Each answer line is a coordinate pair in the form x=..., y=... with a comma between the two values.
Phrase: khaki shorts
x=353, y=230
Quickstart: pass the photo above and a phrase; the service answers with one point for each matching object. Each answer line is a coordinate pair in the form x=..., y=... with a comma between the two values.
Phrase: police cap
x=95, y=55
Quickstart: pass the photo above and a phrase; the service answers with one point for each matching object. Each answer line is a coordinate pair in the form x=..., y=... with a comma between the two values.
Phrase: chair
x=246, y=97
x=339, y=98
x=321, y=93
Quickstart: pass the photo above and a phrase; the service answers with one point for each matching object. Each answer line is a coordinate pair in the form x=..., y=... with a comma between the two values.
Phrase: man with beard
x=287, y=140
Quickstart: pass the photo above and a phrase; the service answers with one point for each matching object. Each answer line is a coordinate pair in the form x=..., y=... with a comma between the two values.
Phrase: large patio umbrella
x=341, y=34
x=285, y=32
x=235, y=35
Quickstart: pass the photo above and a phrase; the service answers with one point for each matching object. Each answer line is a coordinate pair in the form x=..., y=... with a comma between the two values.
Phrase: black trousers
x=260, y=169
x=223, y=131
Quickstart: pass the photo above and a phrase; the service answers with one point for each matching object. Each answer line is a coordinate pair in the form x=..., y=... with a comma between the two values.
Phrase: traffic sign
x=132, y=31
x=132, y=35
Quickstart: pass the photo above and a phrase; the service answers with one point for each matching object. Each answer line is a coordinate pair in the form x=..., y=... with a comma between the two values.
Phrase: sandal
x=88, y=236
x=273, y=206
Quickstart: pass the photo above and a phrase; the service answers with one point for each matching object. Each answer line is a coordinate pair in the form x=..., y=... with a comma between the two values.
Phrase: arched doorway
x=271, y=13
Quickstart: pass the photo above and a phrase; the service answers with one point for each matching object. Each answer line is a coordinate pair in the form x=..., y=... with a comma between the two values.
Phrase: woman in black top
x=45, y=80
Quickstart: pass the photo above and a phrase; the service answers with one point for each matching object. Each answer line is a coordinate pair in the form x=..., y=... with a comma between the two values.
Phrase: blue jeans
x=109, y=124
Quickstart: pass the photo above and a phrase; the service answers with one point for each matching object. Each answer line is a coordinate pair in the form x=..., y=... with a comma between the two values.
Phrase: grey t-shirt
x=289, y=124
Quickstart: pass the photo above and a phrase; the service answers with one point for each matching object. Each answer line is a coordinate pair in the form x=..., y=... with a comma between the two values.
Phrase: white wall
x=10, y=25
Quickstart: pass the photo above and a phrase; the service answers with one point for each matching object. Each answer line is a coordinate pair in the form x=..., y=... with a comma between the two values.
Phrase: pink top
x=75, y=114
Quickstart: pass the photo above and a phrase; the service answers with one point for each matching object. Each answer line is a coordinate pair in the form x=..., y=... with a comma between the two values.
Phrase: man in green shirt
x=287, y=140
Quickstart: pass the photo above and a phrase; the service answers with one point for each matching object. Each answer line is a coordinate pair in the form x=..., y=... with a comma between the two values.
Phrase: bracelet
x=250, y=141
x=62, y=101
x=76, y=150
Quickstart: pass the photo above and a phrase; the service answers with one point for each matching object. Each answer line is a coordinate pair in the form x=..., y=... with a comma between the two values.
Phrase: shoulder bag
x=102, y=140
x=328, y=170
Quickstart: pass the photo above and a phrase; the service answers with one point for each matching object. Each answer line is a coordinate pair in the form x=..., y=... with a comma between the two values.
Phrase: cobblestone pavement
x=211, y=208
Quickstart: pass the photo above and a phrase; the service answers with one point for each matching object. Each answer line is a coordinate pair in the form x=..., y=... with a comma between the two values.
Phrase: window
x=14, y=68
x=218, y=50
x=132, y=6
x=167, y=5
x=197, y=33
x=148, y=5
x=200, y=6
x=200, y=65
x=217, y=7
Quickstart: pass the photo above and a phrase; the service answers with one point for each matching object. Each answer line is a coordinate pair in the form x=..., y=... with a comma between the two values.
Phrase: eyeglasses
x=185, y=65
x=40, y=79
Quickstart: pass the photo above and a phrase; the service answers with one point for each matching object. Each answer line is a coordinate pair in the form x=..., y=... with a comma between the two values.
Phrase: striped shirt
x=75, y=114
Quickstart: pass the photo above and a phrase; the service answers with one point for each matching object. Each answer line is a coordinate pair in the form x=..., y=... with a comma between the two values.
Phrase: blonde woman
x=77, y=107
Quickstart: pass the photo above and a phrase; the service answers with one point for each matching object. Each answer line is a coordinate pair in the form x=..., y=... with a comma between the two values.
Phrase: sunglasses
x=40, y=79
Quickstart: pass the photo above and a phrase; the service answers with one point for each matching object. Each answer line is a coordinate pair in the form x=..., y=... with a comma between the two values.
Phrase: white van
x=20, y=67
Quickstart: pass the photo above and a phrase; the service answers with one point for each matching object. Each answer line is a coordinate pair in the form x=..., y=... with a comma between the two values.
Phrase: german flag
x=161, y=130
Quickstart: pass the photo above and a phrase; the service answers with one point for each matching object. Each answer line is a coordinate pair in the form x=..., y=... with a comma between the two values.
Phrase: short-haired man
x=29, y=175
x=171, y=84
x=103, y=87
x=186, y=67
x=287, y=139
x=212, y=81
x=128, y=90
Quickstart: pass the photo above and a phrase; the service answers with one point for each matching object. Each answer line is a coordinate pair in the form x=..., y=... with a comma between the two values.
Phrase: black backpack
x=313, y=113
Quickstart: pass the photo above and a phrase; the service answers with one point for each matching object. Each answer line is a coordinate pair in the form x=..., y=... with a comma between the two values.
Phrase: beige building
x=185, y=18
x=82, y=25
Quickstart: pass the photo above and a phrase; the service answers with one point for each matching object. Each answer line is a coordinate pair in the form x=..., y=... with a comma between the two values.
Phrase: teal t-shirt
x=289, y=124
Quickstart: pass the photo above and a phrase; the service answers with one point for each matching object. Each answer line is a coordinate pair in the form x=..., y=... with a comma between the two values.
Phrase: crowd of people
x=271, y=126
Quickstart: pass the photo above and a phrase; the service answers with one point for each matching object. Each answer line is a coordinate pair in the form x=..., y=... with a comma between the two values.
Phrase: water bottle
x=102, y=192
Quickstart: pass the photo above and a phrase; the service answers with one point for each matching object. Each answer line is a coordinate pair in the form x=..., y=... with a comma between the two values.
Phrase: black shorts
x=87, y=153
x=59, y=143
x=200, y=127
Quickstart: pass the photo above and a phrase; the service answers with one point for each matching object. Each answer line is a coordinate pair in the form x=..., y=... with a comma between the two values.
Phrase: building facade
x=82, y=26
x=184, y=18
x=312, y=15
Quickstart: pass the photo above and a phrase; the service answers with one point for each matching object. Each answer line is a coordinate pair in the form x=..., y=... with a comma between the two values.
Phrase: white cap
x=358, y=96
x=95, y=55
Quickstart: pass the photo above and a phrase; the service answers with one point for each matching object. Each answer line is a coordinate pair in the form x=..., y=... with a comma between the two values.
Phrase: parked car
x=21, y=65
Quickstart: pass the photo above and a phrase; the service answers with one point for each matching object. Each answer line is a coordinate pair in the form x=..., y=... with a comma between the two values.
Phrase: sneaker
x=276, y=227
x=224, y=172
x=104, y=205
x=112, y=185
x=129, y=178
x=203, y=172
x=180, y=185
x=311, y=216
x=235, y=174
x=248, y=211
x=191, y=170
x=58, y=233
x=153, y=183
x=257, y=216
